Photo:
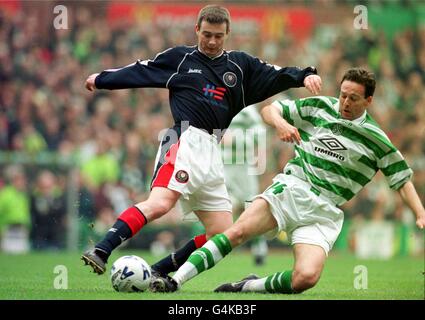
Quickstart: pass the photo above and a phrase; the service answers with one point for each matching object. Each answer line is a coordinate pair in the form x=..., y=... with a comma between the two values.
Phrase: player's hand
x=420, y=222
x=313, y=83
x=287, y=133
x=90, y=82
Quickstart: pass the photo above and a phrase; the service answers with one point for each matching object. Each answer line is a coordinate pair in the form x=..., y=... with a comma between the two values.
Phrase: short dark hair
x=361, y=76
x=214, y=14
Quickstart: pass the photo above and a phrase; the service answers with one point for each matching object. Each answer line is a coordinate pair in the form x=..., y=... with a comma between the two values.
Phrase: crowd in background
x=112, y=137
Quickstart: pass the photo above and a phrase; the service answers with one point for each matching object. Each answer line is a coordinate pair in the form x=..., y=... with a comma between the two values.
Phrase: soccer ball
x=130, y=274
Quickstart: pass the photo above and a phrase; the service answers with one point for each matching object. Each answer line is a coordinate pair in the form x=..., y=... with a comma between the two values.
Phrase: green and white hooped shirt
x=339, y=157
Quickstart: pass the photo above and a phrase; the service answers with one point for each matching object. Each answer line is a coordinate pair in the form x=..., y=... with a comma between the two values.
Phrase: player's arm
x=411, y=199
x=132, y=76
x=141, y=74
x=263, y=80
x=272, y=115
x=136, y=75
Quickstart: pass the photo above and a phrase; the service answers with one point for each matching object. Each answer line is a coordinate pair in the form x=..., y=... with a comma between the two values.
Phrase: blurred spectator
x=105, y=218
x=102, y=168
x=33, y=142
x=48, y=211
x=163, y=244
x=14, y=211
x=87, y=212
x=134, y=175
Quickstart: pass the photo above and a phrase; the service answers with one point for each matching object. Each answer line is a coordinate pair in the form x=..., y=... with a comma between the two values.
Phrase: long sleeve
x=142, y=74
x=265, y=80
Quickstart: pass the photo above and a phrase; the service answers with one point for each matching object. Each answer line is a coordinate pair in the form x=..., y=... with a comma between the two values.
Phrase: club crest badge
x=337, y=129
x=182, y=176
x=230, y=79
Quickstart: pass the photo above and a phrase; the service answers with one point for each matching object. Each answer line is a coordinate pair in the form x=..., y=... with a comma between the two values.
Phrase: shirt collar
x=213, y=58
x=358, y=120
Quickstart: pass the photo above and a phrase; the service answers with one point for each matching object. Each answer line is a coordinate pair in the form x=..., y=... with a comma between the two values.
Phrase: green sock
x=204, y=258
x=280, y=282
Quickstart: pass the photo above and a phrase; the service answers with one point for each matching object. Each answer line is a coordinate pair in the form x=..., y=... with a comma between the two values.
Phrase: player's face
x=211, y=37
x=352, y=102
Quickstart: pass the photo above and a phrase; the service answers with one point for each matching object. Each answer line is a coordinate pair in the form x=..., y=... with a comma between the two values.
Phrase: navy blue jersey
x=206, y=92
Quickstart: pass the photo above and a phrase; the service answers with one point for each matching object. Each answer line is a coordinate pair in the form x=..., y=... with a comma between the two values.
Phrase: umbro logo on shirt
x=332, y=144
x=329, y=153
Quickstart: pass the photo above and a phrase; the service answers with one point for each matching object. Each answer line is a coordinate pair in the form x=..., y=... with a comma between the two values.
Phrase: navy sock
x=119, y=232
x=176, y=259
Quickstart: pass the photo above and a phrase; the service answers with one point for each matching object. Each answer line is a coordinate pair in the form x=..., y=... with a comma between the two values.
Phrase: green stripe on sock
x=279, y=282
x=268, y=284
x=286, y=282
x=197, y=259
x=210, y=258
x=276, y=282
x=222, y=243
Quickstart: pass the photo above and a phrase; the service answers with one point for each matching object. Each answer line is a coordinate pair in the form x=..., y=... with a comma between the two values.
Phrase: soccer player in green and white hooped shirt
x=339, y=148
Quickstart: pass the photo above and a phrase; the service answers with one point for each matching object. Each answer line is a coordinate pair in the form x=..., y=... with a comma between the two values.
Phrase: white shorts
x=240, y=185
x=193, y=167
x=304, y=215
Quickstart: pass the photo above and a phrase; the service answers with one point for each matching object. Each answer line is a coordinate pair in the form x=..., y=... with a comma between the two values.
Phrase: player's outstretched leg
x=255, y=220
x=160, y=201
x=200, y=260
x=309, y=262
x=215, y=222
x=128, y=224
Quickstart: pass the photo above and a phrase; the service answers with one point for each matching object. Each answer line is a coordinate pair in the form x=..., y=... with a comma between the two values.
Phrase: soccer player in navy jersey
x=208, y=86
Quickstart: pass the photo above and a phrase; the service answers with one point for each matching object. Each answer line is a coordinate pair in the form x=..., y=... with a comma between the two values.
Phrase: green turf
x=32, y=277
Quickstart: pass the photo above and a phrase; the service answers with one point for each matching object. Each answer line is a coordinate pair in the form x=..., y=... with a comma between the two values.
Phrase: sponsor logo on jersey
x=182, y=176
x=212, y=91
x=230, y=79
x=194, y=71
x=332, y=144
x=329, y=153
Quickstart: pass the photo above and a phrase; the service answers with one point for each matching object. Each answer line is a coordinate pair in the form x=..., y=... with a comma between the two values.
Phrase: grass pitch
x=33, y=277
